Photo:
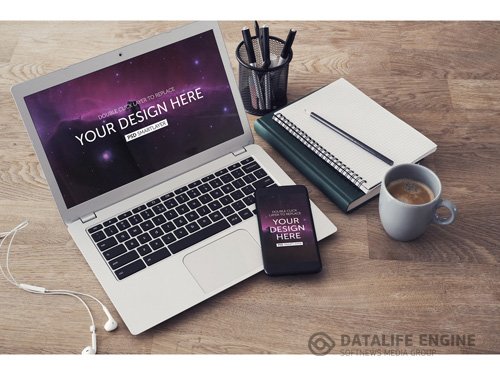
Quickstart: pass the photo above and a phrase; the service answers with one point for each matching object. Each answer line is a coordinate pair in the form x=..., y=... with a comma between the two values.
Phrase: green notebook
x=345, y=173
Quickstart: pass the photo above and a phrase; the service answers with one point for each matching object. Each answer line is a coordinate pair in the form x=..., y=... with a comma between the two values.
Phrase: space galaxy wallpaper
x=83, y=124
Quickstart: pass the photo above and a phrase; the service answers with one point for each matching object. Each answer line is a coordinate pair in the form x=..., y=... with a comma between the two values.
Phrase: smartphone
x=286, y=229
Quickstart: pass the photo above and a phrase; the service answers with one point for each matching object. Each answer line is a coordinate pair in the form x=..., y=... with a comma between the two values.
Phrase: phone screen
x=287, y=233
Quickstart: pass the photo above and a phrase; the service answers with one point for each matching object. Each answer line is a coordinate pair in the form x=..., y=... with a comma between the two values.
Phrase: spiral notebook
x=351, y=110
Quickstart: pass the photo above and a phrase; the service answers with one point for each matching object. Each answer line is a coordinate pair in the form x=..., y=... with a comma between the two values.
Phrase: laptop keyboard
x=164, y=226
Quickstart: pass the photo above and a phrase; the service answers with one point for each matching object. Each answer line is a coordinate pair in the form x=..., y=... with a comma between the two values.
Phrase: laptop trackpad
x=221, y=262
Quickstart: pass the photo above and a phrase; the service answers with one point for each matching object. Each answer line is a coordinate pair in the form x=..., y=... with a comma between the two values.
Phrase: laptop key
x=208, y=178
x=156, y=232
x=136, y=219
x=182, y=198
x=221, y=172
x=249, y=200
x=266, y=181
x=216, y=183
x=181, y=190
x=123, y=259
x=195, y=203
x=234, y=166
x=156, y=256
x=122, y=236
x=215, y=216
x=134, y=231
x=168, y=227
x=172, y=214
x=180, y=222
x=110, y=221
x=98, y=236
x=227, y=188
x=139, y=209
x=181, y=232
x=131, y=244
x=156, y=244
x=192, y=227
x=147, y=225
x=205, y=188
x=250, y=167
x=237, y=195
x=168, y=238
x=250, y=178
x=114, y=252
x=193, y=184
x=154, y=202
x=144, y=238
x=159, y=208
x=107, y=243
x=182, y=209
x=237, y=173
x=225, y=200
x=259, y=173
x=198, y=236
x=248, y=189
x=191, y=216
x=245, y=214
x=144, y=249
x=122, y=225
x=130, y=269
x=239, y=205
x=147, y=214
x=234, y=219
x=247, y=160
x=217, y=193
x=95, y=228
x=226, y=211
x=166, y=196
x=111, y=230
x=124, y=215
x=204, y=221
x=215, y=205
x=203, y=210
x=193, y=193
x=205, y=198
x=171, y=203
x=159, y=220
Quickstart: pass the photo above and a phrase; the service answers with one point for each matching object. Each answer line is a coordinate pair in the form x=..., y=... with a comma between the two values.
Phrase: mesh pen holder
x=263, y=89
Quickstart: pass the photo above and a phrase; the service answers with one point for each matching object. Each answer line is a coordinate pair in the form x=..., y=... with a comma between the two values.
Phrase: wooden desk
x=443, y=78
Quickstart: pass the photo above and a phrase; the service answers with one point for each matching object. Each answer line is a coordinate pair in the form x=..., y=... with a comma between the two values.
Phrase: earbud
x=111, y=324
x=91, y=349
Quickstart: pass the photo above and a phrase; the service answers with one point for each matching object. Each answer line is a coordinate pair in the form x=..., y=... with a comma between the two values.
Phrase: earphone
x=110, y=324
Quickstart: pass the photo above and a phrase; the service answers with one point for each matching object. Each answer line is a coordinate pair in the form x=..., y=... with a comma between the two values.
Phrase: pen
x=351, y=138
x=257, y=34
x=287, y=47
x=266, y=57
x=247, y=39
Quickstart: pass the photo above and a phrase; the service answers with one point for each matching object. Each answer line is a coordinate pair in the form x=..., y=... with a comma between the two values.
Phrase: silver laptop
x=151, y=161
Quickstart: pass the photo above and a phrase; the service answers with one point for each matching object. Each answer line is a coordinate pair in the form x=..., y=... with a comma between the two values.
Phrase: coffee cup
x=410, y=196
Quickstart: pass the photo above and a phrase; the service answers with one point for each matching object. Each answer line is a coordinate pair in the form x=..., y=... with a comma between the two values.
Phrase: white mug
x=403, y=221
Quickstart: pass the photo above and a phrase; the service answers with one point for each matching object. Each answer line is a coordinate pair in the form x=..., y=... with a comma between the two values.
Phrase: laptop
x=151, y=161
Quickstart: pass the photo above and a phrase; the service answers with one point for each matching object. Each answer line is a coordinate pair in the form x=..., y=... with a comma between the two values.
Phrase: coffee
x=410, y=191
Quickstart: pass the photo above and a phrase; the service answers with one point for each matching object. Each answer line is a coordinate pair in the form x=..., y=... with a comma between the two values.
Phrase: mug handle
x=453, y=212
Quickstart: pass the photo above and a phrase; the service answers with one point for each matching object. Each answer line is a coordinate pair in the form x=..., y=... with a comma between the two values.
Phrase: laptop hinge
x=87, y=218
x=240, y=151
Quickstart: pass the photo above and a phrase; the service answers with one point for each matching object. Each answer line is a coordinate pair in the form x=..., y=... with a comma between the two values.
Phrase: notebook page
x=354, y=112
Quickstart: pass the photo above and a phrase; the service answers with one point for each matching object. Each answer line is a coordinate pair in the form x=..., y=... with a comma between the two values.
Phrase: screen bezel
x=27, y=88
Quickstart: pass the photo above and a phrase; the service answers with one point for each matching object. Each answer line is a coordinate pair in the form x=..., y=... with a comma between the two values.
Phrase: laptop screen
x=110, y=127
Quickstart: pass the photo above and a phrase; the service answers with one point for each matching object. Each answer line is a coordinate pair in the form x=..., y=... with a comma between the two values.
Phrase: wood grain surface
x=443, y=78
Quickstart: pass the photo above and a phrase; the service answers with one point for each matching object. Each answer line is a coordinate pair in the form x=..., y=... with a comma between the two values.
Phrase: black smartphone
x=286, y=229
